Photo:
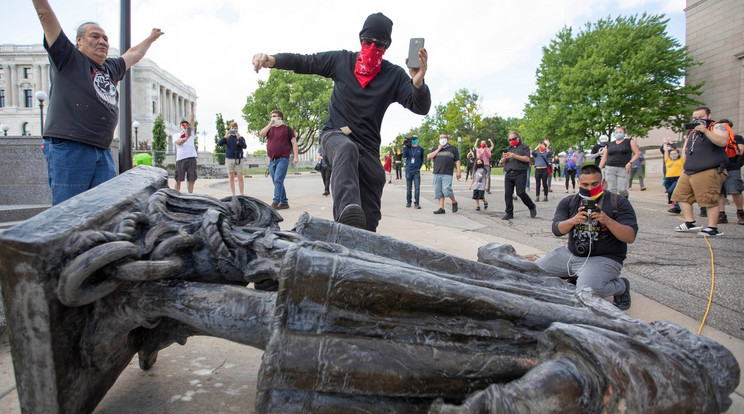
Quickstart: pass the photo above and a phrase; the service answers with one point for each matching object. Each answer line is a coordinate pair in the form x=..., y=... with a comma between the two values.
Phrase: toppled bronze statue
x=350, y=321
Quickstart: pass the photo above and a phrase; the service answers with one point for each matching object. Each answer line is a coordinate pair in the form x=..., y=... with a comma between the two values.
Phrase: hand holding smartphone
x=416, y=44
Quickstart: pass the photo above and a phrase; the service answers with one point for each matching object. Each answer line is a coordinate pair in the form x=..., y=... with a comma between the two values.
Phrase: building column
x=11, y=85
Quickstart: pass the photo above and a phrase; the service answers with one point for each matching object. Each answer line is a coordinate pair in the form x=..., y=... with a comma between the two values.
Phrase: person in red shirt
x=280, y=141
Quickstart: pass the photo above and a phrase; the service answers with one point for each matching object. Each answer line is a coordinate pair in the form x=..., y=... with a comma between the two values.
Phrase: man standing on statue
x=364, y=86
x=83, y=103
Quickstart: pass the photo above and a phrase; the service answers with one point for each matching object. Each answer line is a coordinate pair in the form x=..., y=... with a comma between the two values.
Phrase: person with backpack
x=234, y=144
x=733, y=184
x=704, y=171
x=600, y=225
x=280, y=140
x=569, y=169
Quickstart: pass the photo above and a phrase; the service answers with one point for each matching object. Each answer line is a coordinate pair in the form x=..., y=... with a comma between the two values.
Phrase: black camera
x=583, y=244
x=695, y=122
x=408, y=141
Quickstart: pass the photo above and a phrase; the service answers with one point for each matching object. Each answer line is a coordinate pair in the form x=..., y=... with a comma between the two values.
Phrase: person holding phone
x=235, y=144
x=364, y=87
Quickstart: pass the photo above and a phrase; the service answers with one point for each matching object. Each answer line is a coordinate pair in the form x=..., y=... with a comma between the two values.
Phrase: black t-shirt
x=595, y=150
x=83, y=99
x=702, y=154
x=734, y=163
x=619, y=154
x=360, y=109
x=444, y=161
x=603, y=242
x=512, y=164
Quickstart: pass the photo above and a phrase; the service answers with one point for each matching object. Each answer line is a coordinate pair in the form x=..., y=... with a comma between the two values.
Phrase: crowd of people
x=600, y=220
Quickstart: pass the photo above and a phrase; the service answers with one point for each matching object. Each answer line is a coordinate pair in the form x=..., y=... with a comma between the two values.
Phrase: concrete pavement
x=215, y=375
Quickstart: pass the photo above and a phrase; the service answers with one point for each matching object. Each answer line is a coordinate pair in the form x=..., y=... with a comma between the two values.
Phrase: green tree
x=460, y=117
x=158, y=141
x=221, y=125
x=303, y=99
x=627, y=71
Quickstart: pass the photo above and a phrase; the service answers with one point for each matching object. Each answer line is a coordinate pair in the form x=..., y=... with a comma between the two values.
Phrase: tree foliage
x=303, y=99
x=627, y=71
x=221, y=125
x=158, y=141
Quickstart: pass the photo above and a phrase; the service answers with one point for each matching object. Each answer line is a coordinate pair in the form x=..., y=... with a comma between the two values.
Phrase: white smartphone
x=413, y=48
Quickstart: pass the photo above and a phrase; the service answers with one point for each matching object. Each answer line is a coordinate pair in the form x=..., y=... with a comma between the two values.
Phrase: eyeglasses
x=366, y=41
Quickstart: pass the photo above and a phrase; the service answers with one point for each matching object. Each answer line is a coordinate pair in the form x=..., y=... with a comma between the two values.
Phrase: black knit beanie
x=377, y=26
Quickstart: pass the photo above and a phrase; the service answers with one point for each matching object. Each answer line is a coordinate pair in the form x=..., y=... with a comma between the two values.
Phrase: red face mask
x=514, y=142
x=368, y=64
x=483, y=145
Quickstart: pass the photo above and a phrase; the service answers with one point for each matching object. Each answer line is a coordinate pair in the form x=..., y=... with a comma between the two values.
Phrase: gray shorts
x=733, y=183
x=186, y=167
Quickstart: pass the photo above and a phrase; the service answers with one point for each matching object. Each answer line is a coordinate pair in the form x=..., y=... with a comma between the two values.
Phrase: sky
x=491, y=48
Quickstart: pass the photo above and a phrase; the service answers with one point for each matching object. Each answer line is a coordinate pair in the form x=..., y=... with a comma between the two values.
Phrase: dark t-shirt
x=619, y=154
x=596, y=149
x=444, y=161
x=233, y=146
x=734, y=163
x=83, y=99
x=279, y=141
x=414, y=157
x=360, y=109
x=512, y=164
x=701, y=154
x=603, y=242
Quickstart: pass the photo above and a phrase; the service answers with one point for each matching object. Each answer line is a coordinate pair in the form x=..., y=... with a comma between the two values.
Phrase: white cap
x=604, y=138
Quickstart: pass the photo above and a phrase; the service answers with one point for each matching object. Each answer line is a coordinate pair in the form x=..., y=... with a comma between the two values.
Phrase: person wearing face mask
x=516, y=160
x=414, y=156
x=618, y=157
x=83, y=103
x=478, y=185
x=569, y=169
x=542, y=159
x=549, y=148
x=186, y=154
x=281, y=142
x=446, y=159
x=364, y=87
x=673, y=163
x=234, y=145
x=600, y=225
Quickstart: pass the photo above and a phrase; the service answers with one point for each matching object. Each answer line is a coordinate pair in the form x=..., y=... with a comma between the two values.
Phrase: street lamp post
x=41, y=96
x=5, y=129
x=136, y=126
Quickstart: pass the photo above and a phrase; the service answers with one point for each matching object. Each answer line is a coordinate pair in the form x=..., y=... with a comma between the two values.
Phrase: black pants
x=570, y=174
x=516, y=180
x=325, y=173
x=398, y=170
x=541, y=176
x=356, y=176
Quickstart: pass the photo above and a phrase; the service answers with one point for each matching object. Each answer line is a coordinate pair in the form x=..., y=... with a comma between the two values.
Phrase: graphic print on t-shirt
x=105, y=89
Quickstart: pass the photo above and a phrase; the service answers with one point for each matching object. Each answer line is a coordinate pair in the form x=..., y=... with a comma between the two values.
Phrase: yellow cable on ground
x=712, y=284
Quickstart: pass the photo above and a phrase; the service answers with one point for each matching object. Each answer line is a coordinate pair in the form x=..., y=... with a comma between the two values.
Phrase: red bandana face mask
x=368, y=64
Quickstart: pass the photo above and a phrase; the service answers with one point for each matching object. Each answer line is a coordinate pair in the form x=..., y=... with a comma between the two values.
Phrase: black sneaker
x=353, y=215
x=533, y=212
x=440, y=211
x=722, y=218
x=674, y=210
x=416, y=206
x=710, y=232
x=454, y=207
x=507, y=217
x=703, y=212
x=622, y=300
x=740, y=216
x=545, y=198
x=408, y=204
x=485, y=206
x=477, y=208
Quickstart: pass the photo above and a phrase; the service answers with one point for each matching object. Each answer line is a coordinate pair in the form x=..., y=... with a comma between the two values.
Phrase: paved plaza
x=670, y=276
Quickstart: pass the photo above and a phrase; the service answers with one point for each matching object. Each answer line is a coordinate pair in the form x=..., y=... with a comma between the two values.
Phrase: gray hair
x=81, y=29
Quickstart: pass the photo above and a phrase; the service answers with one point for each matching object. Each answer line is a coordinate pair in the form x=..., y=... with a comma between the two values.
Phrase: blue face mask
x=570, y=152
x=618, y=136
x=414, y=142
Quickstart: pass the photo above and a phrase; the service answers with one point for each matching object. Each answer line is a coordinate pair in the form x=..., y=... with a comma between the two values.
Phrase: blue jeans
x=73, y=167
x=278, y=171
x=413, y=177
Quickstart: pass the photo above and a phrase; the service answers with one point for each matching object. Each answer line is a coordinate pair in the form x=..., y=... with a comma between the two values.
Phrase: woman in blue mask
x=617, y=159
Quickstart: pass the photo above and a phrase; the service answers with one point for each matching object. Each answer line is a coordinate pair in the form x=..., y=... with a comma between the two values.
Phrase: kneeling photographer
x=599, y=224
